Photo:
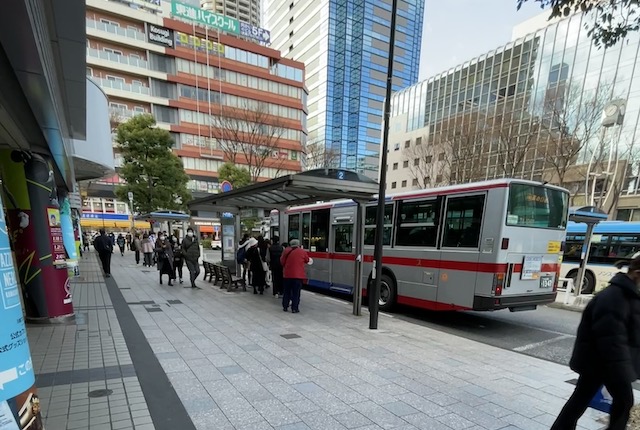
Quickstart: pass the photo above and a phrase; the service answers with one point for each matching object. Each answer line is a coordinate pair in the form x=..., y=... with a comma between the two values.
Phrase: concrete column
x=33, y=213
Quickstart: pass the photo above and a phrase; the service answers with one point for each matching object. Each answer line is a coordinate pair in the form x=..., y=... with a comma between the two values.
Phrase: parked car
x=216, y=244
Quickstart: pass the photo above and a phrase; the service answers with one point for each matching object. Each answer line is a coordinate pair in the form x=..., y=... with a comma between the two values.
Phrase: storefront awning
x=125, y=225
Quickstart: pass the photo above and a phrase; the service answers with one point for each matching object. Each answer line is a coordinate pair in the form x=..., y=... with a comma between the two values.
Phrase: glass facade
x=531, y=109
x=359, y=32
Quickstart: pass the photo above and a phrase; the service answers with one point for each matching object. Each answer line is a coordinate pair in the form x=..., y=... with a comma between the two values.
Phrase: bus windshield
x=537, y=206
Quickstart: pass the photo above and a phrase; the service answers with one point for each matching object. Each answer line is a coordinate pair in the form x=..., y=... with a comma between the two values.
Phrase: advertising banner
x=34, y=225
x=160, y=35
x=68, y=237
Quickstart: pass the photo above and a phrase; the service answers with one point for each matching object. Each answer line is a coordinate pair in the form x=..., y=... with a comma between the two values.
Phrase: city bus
x=611, y=241
x=480, y=246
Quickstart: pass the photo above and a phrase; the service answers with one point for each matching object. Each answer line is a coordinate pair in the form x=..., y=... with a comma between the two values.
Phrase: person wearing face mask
x=607, y=350
x=164, y=250
x=191, y=254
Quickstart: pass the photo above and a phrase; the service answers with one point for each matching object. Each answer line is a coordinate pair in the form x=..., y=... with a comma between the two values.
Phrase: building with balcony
x=344, y=45
x=196, y=82
x=243, y=10
x=531, y=109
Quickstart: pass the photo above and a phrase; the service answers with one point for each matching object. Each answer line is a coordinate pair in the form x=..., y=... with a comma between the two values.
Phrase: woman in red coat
x=293, y=260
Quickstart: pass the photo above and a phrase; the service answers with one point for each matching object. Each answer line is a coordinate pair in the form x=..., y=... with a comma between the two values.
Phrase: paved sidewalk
x=237, y=361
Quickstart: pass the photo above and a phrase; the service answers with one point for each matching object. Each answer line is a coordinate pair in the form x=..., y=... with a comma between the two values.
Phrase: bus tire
x=388, y=293
x=588, y=283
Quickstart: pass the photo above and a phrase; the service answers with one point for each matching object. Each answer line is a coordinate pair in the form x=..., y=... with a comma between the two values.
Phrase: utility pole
x=374, y=294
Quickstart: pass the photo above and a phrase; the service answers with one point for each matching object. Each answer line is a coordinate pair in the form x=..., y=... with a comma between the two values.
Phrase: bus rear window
x=536, y=206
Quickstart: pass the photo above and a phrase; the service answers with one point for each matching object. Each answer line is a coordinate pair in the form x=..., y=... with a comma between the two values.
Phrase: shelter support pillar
x=33, y=214
x=359, y=263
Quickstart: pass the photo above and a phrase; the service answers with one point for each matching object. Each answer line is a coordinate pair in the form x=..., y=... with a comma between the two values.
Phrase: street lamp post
x=130, y=195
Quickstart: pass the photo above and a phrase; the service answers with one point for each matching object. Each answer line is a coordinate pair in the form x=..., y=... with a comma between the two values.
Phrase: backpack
x=241, y=255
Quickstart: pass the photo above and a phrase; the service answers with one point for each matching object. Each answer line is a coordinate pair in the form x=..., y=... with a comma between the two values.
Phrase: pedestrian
x=191, y=254
x=147, y=249
x=607, y=350
x=178, y=258
x=85, y=241
x=273, y=258
x=129, y=241
x=103, y=245
x=258, y=273
x=242, y=259
x=113, y=241
x=121, y=242
x=293, y=262
x=263, y=247
x=136, y=246
x=165, y=258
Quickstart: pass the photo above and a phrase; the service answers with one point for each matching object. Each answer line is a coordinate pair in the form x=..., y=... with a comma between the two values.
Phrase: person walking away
x=165, y=258
x=136, y=246
x=85, y=241
x=273, y=258
x=103, y=245
x=241, y=257
x=178, y=258
x=121, y=242
x=147, y=250
x=293, y=262
x=607, y=350
x=129, y=241
x=113, y=241
x=191, y=254
x=258, y=274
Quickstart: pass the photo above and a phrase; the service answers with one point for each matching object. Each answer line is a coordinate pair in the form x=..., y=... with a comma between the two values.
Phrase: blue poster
x=68, y=237
x=16, y=369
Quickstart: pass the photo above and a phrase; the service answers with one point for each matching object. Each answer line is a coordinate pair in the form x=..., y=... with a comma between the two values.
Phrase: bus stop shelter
x=298, y=189
x=590, y=215
x=163, y=216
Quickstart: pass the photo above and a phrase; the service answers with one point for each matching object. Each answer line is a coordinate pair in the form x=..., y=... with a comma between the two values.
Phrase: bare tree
x=319, y=156
x=250, y=136
x=429, y=163
x=513, y=141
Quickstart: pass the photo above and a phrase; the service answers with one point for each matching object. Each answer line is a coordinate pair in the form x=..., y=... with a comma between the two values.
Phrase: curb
x=560, y=305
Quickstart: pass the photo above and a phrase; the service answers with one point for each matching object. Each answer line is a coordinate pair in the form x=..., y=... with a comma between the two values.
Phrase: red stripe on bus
x=437, y=192
x=421, y=262
x=546, y=267
x=425, y=304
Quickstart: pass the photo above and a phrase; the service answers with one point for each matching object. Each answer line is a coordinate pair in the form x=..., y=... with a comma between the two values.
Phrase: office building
x=531, y=109
x=344, y=46
x=243, y=10
x=202, y=85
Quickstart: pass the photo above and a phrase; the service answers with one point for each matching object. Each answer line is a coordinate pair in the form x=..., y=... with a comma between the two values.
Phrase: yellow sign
x=200, y=44
x=553, y=247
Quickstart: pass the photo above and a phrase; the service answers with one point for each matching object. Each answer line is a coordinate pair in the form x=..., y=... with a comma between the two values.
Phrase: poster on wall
x=55, y=237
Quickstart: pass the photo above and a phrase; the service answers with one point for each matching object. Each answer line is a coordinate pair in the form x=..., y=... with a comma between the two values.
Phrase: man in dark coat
x=607, y=350
x=273, y=258
x=104, y=246
x=191, y=255
x=164, y=250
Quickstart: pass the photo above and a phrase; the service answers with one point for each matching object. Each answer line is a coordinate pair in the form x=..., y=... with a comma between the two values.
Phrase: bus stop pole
x=359, y=245
x=374, y=293
x=586, y=247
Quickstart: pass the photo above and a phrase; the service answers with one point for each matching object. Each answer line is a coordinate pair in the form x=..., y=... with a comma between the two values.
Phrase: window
x=428, y=160
x=109, y=22
x=319, y=231
x=343, y=238
x=139, y=109
x=306, y=226
x=418, y=141
x=404, y=184
x=463, y=222
x=414, y=183
x=438, y=179
x=536, y=206
x=395, y=166
x=394, y=185
x=396, y=147
x=416, y=162
x=115, y=78
x=370, y=224
x=417, y=223
x=112, y=51
x=441, y=156
x=136, y=82
x=405, y=164
x=294, y=227
x=407, y=143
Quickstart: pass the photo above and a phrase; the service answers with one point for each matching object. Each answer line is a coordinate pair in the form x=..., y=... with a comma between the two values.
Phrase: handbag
x=265, y=266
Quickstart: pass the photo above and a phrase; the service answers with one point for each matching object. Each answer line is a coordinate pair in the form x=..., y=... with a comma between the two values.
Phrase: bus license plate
x=546, y=282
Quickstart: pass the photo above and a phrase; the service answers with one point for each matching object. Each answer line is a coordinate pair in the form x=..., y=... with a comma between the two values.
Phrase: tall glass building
x=533, y=109
x=344, y=45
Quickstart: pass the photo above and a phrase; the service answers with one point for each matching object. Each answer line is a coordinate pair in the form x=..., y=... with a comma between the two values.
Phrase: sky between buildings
x=455, y=31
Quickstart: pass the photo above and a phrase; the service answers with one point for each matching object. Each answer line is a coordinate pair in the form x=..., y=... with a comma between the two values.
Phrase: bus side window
x=463, y=222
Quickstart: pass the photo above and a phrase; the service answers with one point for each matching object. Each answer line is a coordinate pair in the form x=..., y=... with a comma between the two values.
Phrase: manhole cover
x=174, y=302
x=290, y=336
x=100, y=393
x=153, y=309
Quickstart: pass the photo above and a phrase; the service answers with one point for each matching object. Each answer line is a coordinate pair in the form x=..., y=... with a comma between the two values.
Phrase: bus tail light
x=505, y=243
x=498, y=283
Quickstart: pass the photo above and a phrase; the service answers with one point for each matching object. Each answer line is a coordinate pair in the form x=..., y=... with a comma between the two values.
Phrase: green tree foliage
x=238, y=176
x=151, y=170
x=612, y=19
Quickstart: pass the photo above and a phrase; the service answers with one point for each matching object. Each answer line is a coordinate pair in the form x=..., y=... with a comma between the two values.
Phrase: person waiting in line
x=136, y=246
x=273, y=259
x=263, y=247
x=607, y=350
x=258, y=274
x=103, y=245
x=164, y=253
x=178, y=258
x=191, y=253
x=147, y=250
x=293, y=262
x=121, y=242
x=243, y=261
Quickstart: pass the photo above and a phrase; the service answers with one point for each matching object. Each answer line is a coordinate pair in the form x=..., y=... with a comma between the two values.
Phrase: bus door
x=342, y=251
x=460, y=233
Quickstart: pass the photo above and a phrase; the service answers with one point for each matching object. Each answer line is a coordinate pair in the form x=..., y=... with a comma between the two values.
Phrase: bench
x=229, y=280
x=208, y=270
x=217, y=272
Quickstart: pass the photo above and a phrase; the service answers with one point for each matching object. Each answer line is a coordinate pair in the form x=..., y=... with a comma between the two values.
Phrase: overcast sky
x=457, y=30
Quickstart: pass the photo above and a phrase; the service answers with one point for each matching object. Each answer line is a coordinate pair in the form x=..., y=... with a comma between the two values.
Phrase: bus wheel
x=588, y=283
x=387, y=293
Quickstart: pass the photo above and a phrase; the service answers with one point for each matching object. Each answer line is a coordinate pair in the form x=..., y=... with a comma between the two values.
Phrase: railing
x=119, y=85
x=121, y=113
x=117, y=58
x=114, y=29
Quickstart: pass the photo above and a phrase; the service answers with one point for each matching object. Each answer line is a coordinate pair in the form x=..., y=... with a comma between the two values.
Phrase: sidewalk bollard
x=567, y=291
